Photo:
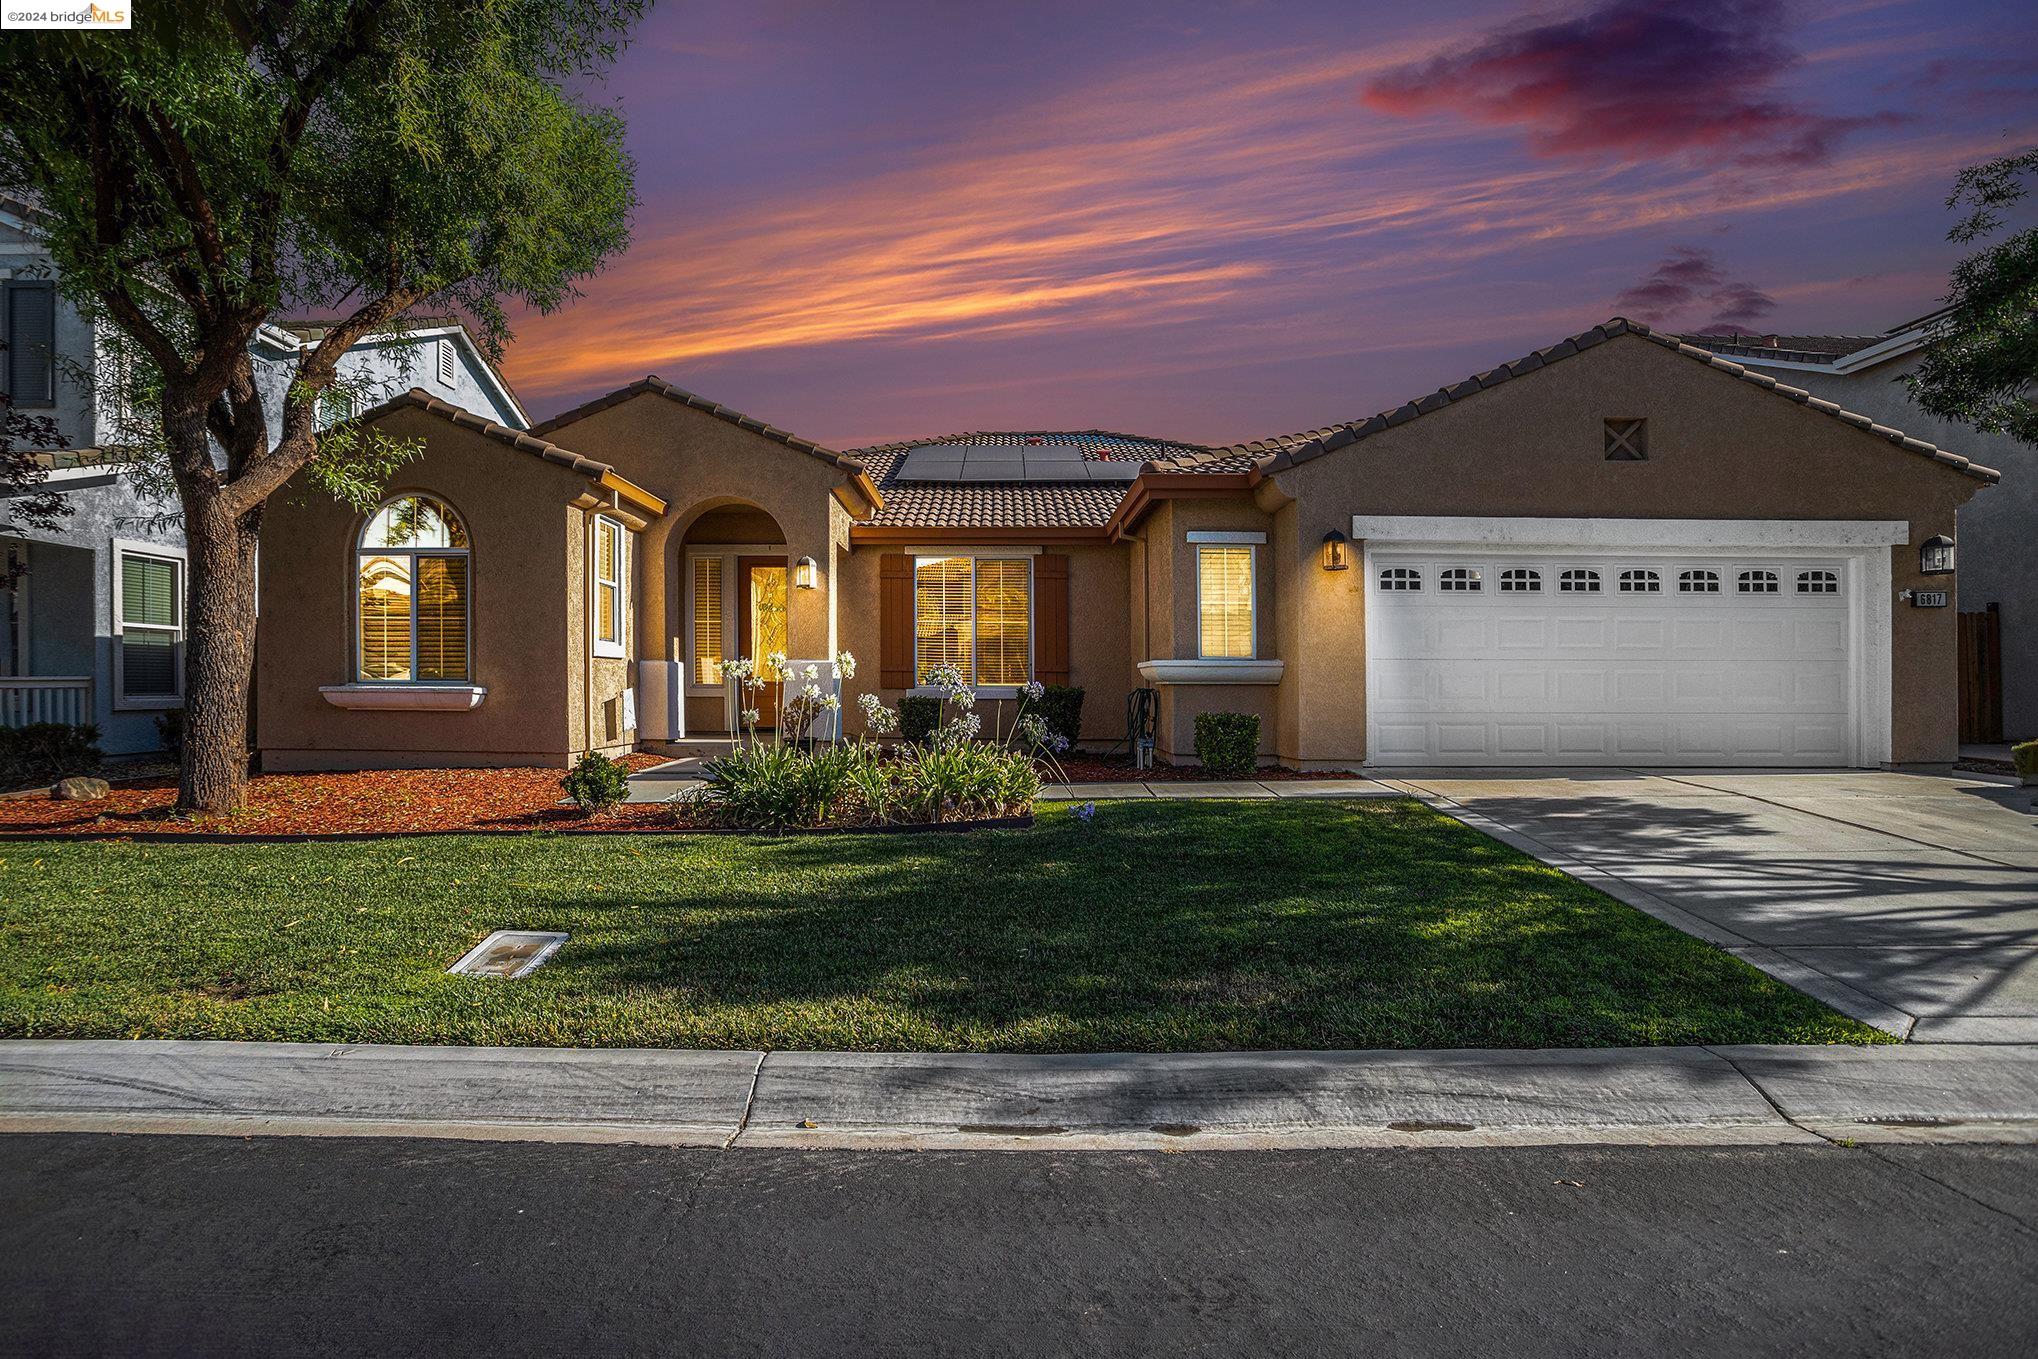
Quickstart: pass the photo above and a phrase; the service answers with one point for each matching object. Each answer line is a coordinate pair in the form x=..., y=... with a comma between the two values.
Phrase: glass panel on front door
x=765, y=584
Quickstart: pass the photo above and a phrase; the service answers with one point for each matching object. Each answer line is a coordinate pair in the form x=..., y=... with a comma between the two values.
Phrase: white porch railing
x=53, y=699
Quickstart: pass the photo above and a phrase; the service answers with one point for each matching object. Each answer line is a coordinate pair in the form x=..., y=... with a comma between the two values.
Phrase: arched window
x=1698, y=582
x=1818, y=582
x=1640, y=583
x=1458, y=578
x=411, y=583
x=1400, y=578
x=1578, y=582
x=1519, y=580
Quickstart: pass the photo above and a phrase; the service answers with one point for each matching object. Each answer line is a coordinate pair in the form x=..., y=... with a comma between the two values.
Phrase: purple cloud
x=1686, y=277
x=1632, y=79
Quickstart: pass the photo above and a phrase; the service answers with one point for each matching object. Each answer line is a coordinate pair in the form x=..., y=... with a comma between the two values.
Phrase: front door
x=762, y=629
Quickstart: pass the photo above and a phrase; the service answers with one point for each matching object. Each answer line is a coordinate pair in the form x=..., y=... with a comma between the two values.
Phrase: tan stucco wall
x=521, y=526
x=1719, y=448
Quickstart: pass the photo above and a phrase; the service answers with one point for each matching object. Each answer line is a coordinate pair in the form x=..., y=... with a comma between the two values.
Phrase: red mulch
x=372, y=802
x=1118, y=769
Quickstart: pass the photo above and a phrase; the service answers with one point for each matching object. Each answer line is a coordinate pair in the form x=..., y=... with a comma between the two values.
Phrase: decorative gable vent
x=1627, y=440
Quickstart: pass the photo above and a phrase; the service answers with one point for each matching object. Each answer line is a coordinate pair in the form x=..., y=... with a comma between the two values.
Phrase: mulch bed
x=372, y=802
x=1118, y=769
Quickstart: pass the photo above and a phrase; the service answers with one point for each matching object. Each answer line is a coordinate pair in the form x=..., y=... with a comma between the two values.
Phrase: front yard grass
x=1157, y=926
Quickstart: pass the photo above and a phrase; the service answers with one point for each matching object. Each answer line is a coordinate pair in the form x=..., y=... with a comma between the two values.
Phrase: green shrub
x=778, y=787
x=43, y=752
x=170, y=729
x=1228, y=744
x=1061, y=707
x=597, y=784
x=919, y=715
x=2025, y=757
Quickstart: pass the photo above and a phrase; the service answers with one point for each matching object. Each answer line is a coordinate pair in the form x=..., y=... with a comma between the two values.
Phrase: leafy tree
x=363, y=160
x=1983, y=361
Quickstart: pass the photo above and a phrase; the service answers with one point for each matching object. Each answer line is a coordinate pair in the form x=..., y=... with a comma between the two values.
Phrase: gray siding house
x=91, y=629
x=1997, y=544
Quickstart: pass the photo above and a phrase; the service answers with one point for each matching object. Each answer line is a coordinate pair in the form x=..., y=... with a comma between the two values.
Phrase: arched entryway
x=732, y=597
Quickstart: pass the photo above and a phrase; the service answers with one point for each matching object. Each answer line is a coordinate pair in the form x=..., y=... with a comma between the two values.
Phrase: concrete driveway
x=1907, y=900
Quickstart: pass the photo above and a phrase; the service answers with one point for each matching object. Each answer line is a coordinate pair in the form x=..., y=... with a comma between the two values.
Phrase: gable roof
x=1288, y=450
x=302, y=332
x=658, y=386
x=1010, y=504
x=600, y=473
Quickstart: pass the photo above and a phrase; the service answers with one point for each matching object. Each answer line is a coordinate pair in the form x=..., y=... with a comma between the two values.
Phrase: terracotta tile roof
x=1010, y=504
x=1285, y=451
x=700, y=403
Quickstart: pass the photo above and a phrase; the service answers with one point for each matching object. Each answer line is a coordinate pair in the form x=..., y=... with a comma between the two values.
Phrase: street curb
x=1696, y=1096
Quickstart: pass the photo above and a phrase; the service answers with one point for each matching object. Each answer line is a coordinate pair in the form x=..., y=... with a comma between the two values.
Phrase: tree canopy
x=1983, y=362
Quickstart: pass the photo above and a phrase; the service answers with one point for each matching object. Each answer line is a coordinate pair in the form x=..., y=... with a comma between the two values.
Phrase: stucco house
x=1998, y=549
x=1619, y=550
x=91, y=623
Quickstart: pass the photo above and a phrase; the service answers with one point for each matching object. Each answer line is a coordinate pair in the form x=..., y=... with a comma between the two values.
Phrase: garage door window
x=1578, y=582
x=1458, y=578
x=1698, y=582
x=1640, y=583
x=1520, y=581
x=1400, y=578
x=1757, y=583
x=1818, y=582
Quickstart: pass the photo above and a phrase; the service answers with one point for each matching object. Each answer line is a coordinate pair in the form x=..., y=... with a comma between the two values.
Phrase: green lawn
x=1159, y=926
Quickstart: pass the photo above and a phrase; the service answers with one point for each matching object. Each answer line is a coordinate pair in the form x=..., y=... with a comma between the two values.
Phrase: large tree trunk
x=219, y=653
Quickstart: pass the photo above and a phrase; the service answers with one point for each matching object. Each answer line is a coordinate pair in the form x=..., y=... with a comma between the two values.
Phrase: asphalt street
x=208, y=1245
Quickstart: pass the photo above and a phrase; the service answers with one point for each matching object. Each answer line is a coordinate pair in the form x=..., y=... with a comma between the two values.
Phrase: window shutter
x=895, y=621
x=31, y=343
x=1051, y=618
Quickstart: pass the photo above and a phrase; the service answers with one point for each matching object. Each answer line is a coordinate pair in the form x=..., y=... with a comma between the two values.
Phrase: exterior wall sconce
x=1935, y=556
x=806, y=575
x=1336, y=557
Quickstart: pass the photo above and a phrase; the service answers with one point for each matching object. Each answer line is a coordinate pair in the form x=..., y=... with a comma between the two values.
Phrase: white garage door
x=1556, y=658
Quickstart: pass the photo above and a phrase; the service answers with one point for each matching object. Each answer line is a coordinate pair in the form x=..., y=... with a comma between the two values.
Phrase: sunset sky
x=1216, y=221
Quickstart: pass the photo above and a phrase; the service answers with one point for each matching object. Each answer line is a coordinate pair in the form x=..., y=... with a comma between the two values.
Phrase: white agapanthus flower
x=1033, y=688
x=811, y=693
x=752, y=716
x=845, y=665
x=776, y=660
x=813, y=672
x=831, y=703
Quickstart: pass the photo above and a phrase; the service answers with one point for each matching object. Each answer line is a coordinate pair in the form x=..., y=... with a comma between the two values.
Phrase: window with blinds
x=151, y=628
x=1224, y=602
x=414, y=595
x=608, y=587
x=976, y=614
x=708, y=652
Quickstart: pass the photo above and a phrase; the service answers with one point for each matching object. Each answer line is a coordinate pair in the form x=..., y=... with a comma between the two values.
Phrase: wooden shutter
x=1051, y=618
x=895, y=621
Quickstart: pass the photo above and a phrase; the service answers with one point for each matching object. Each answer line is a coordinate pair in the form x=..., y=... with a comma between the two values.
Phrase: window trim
x=617, y=647
x=1252, y=598
x=122, y=549
x=356, y=679
x=1032, y=606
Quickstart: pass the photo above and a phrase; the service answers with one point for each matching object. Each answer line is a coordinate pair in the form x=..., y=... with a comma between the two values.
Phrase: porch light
x=1935, y=556
x=806, y=573
x=1335, y=558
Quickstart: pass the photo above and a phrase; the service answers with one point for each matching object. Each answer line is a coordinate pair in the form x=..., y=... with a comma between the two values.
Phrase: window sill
x=609, y=651
x=405, y=698
x=1212, y=672
x=986, y=693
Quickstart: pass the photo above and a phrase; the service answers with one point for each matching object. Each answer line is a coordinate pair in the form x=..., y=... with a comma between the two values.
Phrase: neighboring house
x=1998, y=553
x=92, y=631
x=1616, y=551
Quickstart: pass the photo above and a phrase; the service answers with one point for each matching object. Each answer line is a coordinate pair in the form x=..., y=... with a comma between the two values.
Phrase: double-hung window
x=411, y=576
x=148, y=620
x=611, y=569
x=974, y=613
x=1224, y=601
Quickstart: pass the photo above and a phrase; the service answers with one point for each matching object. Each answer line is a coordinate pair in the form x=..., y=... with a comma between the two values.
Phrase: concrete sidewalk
x=1653, y=1096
